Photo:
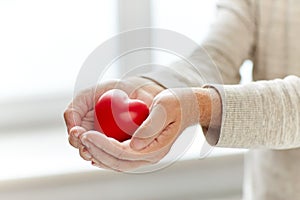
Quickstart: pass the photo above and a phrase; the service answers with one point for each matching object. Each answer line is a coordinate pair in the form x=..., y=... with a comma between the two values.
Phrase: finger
x=164, y=141
x=74, y=135
x=83, y=152
x=81, y=104
x=150, y=129
x=71, y=118
x=128, y=86
x=162, y=145
x=98, y=164
x=146, y=90
x=103, y=87
x=110, y=161
x=113, y=147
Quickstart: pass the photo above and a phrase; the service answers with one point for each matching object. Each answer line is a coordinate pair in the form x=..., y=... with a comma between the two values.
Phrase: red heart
x=117, y=116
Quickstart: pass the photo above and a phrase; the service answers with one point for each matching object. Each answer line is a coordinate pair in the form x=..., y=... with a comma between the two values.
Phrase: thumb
x=150, y=129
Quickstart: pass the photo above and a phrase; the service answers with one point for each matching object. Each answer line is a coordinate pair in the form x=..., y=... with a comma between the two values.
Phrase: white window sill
x=47, y=152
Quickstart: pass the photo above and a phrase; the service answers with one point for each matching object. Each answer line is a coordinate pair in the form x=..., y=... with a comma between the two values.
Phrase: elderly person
x=263, y=116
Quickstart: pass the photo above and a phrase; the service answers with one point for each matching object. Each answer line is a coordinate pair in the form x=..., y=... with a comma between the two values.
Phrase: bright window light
x=191, y=18
x=44, y=43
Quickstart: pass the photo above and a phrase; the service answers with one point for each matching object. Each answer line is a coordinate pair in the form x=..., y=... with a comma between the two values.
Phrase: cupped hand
x=79, y=115
x=171, y=112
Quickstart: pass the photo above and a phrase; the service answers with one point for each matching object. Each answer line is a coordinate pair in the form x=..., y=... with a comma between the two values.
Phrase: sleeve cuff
x=238, y=126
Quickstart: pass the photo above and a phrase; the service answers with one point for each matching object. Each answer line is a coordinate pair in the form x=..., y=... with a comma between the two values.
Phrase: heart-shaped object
x=118, y=116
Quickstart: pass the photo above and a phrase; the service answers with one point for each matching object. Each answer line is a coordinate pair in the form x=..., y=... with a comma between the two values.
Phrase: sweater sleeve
x=229, y=42
x=262, y=114
x=218, y=59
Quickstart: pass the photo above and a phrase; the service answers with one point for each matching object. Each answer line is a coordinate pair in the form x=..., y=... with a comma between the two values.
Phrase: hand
x=79, y=115
x=171, y=112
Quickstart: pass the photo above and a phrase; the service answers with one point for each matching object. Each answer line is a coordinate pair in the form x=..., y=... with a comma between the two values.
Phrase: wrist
x=210, y=108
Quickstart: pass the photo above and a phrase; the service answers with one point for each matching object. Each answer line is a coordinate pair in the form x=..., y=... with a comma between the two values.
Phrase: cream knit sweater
x=264, y=115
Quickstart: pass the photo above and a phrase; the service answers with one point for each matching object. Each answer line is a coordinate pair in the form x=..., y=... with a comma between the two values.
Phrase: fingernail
x=77, y=133
x=88, y=155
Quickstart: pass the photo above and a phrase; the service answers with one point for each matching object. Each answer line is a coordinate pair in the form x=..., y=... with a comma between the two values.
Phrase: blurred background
x=43, y=44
